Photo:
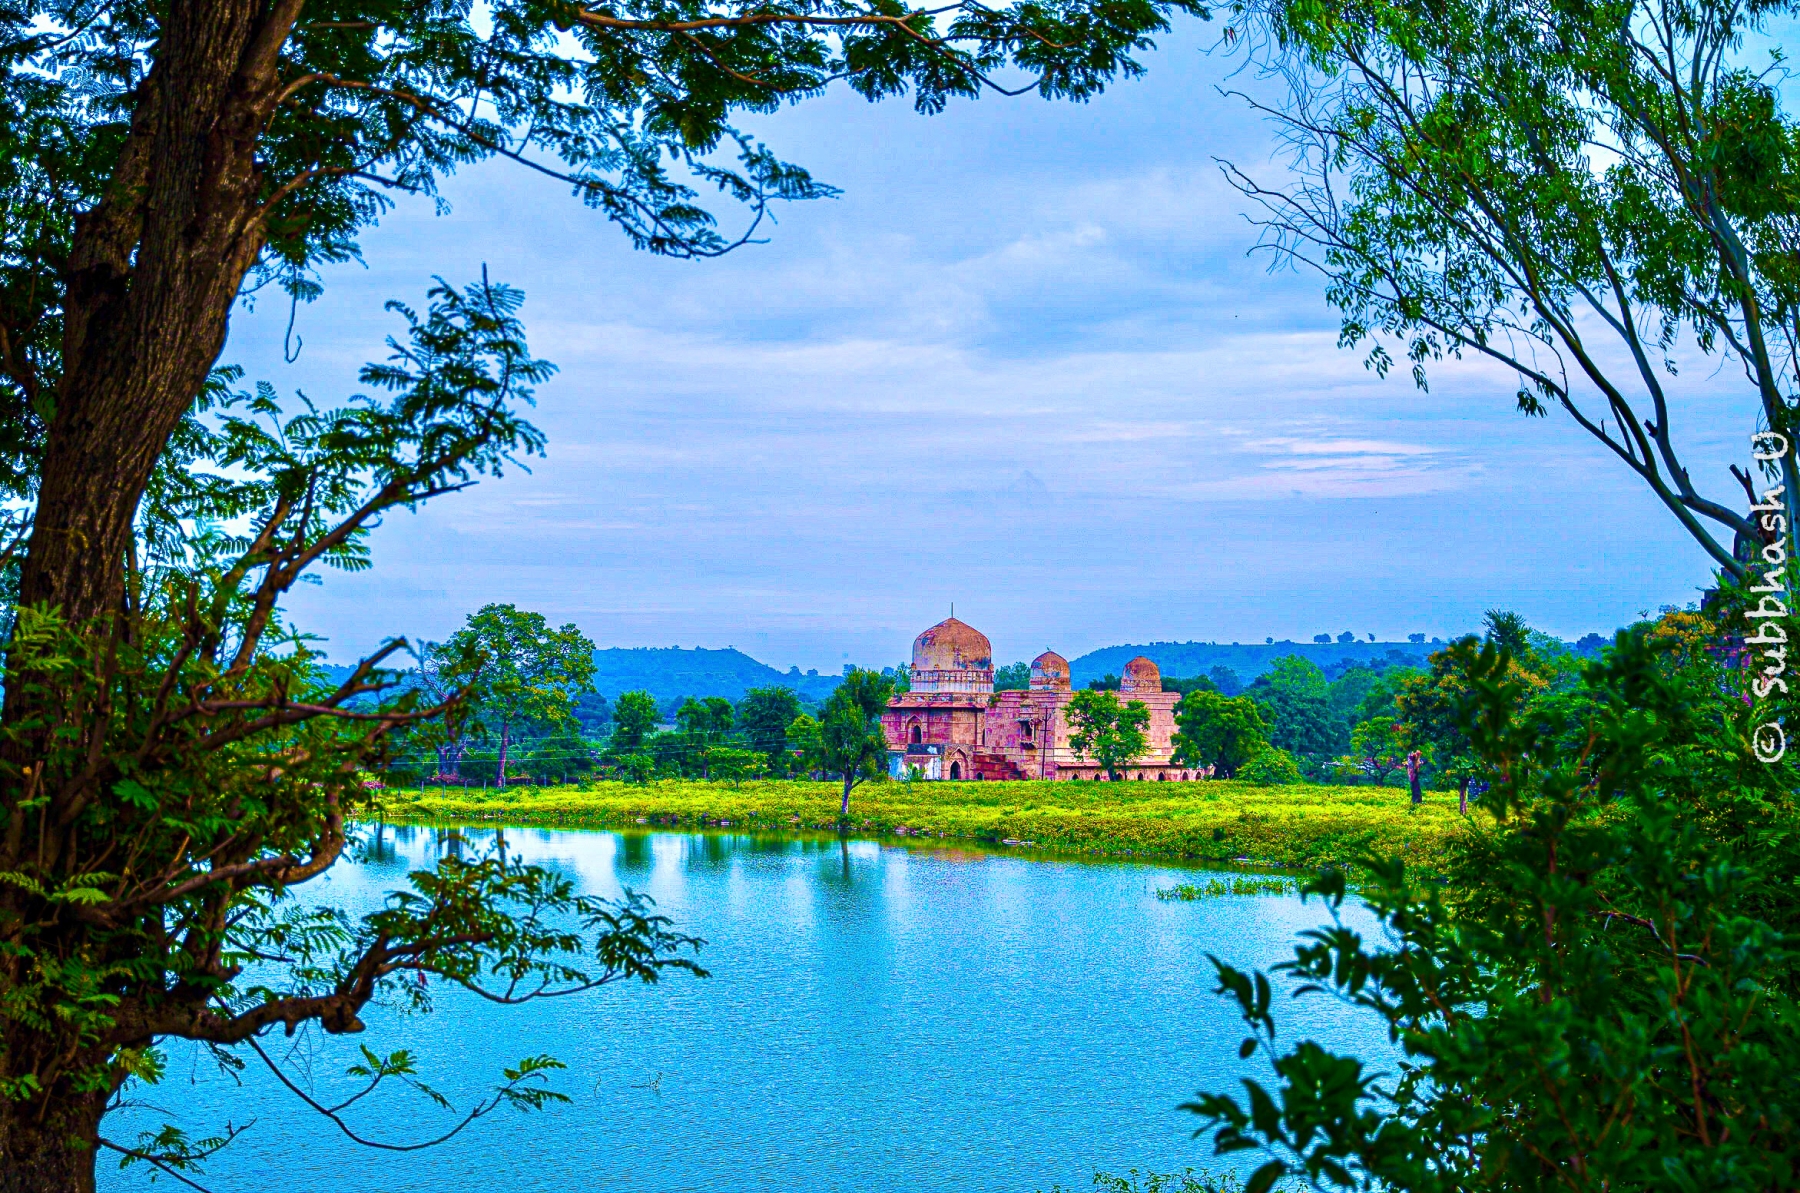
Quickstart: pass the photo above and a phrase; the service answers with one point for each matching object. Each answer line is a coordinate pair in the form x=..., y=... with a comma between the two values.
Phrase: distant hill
x=1248, y=660
x=669, y=671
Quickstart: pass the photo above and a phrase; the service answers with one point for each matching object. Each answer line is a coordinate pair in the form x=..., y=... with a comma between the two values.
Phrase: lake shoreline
x=1296, y=828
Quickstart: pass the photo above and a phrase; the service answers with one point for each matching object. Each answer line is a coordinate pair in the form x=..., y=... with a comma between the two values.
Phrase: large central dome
x=952, y=645
x=952, y=657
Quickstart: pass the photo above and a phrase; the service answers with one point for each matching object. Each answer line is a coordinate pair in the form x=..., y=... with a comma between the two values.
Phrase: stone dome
x=1050, y=670
x=952, y=645
x=1141, y=675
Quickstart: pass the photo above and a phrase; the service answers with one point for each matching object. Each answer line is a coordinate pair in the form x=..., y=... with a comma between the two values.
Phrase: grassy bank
x=1303, y=826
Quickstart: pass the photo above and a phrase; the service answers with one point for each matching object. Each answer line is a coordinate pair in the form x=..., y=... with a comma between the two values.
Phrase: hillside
x=669, y=671
x=1248, y=660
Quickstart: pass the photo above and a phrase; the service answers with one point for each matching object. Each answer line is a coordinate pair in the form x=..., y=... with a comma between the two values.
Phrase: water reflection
x=945, y=1017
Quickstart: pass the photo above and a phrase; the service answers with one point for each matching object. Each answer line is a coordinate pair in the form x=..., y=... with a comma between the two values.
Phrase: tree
x=764, y=715
x=593, y=712
x=806, y=743
x=734, y=765
x=1346, y=693
x=1014, y=677
x=162, y=161
x=850, y=740
x=1322, y=639
x=702, y=724
x=1374, y=750
x=522, y=670
x=634, y=716
x=1299, y=722
x=1218, y=731
x=1192, y=683
x=1106, y=731
x=1578, y=194
x=1299, y=676
x=1603, y=996
x=441, y=676
x=705, y=720
x=559, y=756
x=1427, y=705
x=1226, y=680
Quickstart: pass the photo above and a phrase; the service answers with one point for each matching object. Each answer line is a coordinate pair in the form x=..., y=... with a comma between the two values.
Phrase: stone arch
x=955, y=768
x=914, y=733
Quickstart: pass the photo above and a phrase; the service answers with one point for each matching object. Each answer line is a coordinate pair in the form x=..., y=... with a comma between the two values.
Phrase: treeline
x=1369, y=722
x=635, y=737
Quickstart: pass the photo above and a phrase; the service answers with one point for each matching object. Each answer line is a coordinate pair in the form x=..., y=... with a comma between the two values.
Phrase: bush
x=1273, y=767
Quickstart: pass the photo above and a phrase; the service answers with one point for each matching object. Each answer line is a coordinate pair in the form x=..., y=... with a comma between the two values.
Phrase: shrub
x=1273, y=767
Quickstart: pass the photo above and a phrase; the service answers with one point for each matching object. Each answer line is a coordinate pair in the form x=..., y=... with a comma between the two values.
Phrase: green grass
x=1297, y=827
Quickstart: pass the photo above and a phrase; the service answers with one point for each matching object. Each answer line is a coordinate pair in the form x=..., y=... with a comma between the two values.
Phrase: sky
x=1027, y=364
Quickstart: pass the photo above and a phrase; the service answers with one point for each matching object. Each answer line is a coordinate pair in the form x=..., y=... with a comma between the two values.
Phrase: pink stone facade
x=953, y=725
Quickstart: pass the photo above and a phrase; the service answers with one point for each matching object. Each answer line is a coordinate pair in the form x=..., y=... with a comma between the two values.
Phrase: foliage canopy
x=1582, y=193
x=173, y=766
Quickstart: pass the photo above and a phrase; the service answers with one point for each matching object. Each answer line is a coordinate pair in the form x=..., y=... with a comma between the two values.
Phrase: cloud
x=1024, y=363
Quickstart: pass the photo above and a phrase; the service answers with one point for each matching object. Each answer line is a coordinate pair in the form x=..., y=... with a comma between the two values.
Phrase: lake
x=879, y=1016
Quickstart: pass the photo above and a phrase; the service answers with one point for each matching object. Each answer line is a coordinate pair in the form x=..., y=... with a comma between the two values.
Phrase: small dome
x=952, y=645
x=1141, y=675
x=1050, y=670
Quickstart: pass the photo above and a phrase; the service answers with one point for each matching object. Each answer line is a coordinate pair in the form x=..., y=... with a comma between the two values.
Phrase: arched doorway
x=915, y=735
x=956, y=770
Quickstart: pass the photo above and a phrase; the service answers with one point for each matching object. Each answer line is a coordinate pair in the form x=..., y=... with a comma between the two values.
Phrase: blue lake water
x=878, y=1017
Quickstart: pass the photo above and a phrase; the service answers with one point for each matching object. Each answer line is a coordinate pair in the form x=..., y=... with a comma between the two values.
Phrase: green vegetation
x=1273, y=767
x=1217, y=888
x=1300, y=826
x=1604, y=993
x=1446, y=180
x=849, y=741
x=1109, y=732
x=514, y=670
x=1186, y=1181
x=175, y=766
x=1223, y=732
x=1014, y=677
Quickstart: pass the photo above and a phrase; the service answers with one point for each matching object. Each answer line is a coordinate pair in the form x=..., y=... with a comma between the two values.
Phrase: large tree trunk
x=54, y=1154
x=152, y=275
x=844, y=807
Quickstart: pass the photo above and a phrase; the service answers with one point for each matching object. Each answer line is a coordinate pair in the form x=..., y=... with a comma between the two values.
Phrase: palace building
x=953, y=725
